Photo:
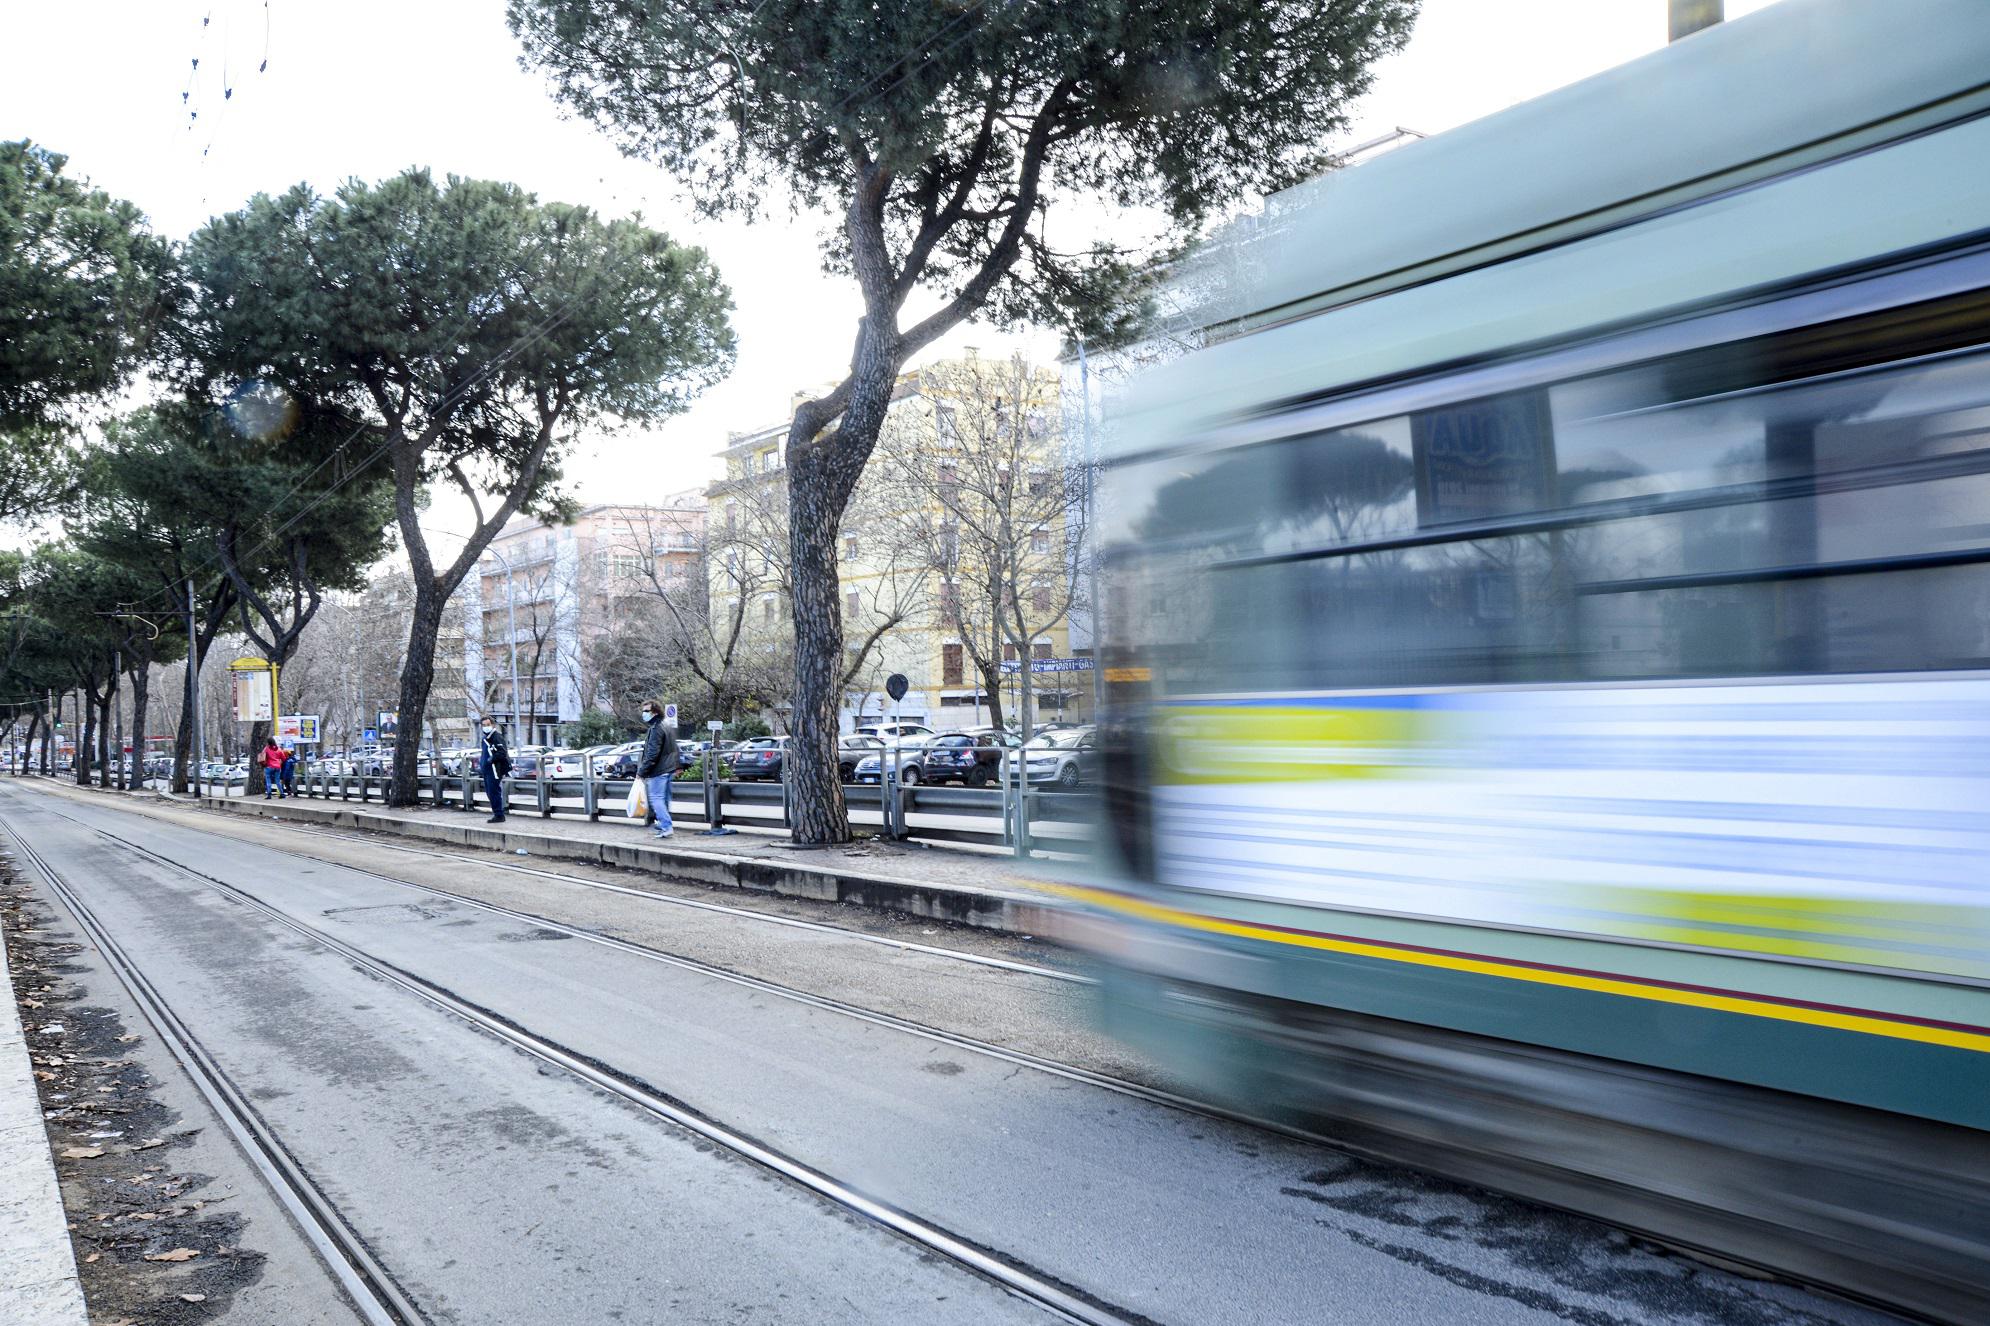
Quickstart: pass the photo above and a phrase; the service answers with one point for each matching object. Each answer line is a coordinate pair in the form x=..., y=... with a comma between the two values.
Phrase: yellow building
x=960, y=514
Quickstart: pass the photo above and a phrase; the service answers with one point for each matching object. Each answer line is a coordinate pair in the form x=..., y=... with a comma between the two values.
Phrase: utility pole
x=117, y=722
x=193, y=692
x=1686, y=17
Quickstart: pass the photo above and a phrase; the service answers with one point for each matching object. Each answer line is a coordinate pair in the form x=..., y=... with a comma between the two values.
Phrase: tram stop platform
x=983, y=890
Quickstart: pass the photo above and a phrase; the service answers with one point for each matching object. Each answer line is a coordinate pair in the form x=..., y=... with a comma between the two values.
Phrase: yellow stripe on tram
x=1629, y=988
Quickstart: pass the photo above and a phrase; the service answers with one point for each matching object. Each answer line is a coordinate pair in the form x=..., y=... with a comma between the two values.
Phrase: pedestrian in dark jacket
x=494, y=764
x=656, y=767
x=289, y=772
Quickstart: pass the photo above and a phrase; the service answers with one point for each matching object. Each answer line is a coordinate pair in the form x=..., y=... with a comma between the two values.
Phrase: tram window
x=1617, y=435
x=1486, y=610
x=1927, y=619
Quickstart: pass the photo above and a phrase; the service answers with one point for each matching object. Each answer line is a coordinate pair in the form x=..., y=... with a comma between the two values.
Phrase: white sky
x=367, y=87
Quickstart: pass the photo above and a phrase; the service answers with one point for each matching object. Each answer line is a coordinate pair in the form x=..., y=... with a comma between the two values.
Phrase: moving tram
x=1547, y=645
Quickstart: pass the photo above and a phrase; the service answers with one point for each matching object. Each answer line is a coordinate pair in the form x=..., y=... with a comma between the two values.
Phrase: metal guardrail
x=1010, y=814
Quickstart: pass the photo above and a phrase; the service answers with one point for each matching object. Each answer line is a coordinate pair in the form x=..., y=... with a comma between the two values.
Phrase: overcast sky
x=368, y=87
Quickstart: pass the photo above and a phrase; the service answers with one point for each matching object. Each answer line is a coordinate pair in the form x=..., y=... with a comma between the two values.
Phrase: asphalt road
x=496, y=1186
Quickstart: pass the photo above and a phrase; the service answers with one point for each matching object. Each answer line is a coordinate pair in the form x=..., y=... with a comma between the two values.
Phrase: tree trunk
x=141, y=698
x=417, y=677
x=991, y=679
x=815, y=800
x=86, y=739
x=822, y=474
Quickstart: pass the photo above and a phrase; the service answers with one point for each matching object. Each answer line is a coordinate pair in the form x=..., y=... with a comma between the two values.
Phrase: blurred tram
x=1547, y=652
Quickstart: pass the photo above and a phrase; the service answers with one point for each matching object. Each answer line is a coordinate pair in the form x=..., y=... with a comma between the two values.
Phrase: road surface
x=484, y=1089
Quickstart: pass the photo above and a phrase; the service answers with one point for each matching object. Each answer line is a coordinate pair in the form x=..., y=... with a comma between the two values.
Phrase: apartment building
x=542, y=594
x=917, y=573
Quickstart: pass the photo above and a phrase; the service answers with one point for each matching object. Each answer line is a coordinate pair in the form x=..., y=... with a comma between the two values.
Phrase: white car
x=1066, y=757
x=562, y=764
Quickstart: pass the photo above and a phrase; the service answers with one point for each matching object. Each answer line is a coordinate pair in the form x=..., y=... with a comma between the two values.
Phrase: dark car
x=970, y=758
x=525, y=764
x=759, y=758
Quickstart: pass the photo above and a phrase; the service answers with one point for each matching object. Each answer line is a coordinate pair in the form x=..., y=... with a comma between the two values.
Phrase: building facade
x=959, y=513
x=542, y=594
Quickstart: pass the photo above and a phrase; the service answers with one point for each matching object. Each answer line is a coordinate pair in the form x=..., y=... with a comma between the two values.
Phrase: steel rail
x=366, y=1282
x=1043, y=1290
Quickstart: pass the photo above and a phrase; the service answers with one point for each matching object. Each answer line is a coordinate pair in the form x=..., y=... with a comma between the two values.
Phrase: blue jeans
x=658, y=788
x=272, y=780
x=493, y=791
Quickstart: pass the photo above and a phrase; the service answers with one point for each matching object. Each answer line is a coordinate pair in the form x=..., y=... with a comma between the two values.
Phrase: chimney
x=1686, y=17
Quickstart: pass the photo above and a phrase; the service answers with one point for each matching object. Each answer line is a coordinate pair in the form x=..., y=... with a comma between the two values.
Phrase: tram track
x=381, y=1299
x=972, y=1045
x=372, y=1289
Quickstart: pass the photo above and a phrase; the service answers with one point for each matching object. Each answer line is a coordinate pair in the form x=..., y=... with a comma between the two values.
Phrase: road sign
x=369, y=735
x=670, y=714
x=1013, y=666
x=896, y=686
x=715, y=725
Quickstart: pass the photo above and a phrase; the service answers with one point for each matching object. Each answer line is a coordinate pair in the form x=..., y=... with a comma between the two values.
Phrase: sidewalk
x=976, y=889
x=37, y=1266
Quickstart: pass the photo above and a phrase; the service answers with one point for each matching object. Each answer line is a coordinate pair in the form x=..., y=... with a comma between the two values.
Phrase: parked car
x=525, y=764
x=898, y=734
x=563, y=763
x=1066, y=758
x=853, y=749
x=972, y=758
x=760, y=758
x=908, y=756
x=620, y=761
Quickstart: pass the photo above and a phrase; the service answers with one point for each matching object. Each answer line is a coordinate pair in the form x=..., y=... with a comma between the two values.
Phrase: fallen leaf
x=93, y=1256
x=31, y=1003
x=143, y=1215
x=82, y=1152
x=193, y=1298
x=148, y=1144
x=127, y=1038
x=176, y=1255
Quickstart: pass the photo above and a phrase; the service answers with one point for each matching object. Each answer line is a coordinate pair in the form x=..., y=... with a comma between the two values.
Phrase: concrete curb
x=37, y=1264
x=1003, y=910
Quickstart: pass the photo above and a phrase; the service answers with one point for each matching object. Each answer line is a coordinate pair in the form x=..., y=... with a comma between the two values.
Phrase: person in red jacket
x=272, y=762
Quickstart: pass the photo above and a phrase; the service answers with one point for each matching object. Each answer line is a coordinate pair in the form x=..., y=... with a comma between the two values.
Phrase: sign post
x=714, y=816
x=894, y=814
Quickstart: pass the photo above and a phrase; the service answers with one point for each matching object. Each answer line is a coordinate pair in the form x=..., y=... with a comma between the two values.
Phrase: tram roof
x=1684, y=121
x=1801, y=82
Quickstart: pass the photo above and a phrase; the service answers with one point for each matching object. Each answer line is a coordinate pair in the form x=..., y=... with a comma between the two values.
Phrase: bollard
x=588, y=802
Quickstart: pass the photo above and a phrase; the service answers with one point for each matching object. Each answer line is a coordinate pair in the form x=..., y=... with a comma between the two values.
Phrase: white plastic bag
x=638, y=805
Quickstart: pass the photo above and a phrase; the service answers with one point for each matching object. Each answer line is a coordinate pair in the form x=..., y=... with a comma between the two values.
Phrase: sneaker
x=495, y=819
x=663, y=833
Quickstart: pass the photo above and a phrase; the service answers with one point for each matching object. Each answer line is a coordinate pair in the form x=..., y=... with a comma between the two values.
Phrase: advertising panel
x=1839, y=822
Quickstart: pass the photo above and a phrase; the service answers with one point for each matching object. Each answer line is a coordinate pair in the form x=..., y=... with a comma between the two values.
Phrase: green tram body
x=1771, y=289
